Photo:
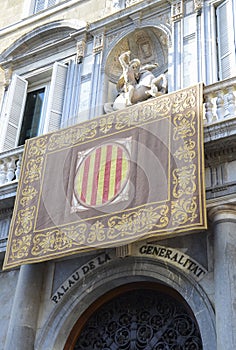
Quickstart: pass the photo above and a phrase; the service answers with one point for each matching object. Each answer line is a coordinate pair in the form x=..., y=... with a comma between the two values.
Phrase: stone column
x=224, y=229
x=24, y=313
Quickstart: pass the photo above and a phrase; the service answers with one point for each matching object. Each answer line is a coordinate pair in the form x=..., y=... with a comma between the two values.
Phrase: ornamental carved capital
x=177, y=10
x=222, y=212
x=80, y=50
x=197, y=5
x=7, y=76
x=98, y=43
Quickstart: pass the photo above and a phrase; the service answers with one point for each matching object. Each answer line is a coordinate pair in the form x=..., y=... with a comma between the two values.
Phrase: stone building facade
x=61, y=58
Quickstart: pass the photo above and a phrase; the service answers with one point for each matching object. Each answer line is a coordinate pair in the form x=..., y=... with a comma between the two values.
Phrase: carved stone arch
x=119, y=273
x=149, y=44
x=113, y=39
x=40, y=37
x=140, y=316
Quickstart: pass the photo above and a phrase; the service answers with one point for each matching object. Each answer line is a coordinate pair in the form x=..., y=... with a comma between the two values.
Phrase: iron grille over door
x=141, y=320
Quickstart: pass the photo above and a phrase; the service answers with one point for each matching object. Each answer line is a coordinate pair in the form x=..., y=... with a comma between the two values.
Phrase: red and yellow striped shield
x=102, y=175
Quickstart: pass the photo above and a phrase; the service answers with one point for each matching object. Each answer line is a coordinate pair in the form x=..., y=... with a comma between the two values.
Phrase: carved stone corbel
x=198, y=6
x=7, y=76
x=80, y=50
x=98, y=43
x=177, y=10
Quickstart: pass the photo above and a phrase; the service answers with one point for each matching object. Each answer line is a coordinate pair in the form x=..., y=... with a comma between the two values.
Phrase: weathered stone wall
x=15, y=21
x=8, y=282
x=71, y=286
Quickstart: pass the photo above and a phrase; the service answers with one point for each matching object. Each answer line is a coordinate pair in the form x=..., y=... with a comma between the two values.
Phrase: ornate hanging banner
x=116, y=179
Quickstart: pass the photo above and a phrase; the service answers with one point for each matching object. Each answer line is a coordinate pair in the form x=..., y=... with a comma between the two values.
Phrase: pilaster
x=97, y=78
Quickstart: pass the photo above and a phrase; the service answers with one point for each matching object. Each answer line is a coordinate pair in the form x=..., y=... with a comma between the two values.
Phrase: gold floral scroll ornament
x=186, y=152
x=20, y=247
x=184, y=181
x=24, y=223
x=28, y=193
x=184, y=125
x=183, y=211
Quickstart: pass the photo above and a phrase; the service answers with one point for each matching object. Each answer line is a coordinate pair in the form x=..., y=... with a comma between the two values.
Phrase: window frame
x=34, y=5
x=30, y=89
x=54, y=81
x=232, y=43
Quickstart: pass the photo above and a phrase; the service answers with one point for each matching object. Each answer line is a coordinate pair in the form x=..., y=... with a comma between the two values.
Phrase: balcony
x=219, y=116
x=220, y=141
x=10, y=162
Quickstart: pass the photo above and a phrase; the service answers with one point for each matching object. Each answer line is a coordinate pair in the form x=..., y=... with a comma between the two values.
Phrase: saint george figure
x=130, y=76
x=136, y=84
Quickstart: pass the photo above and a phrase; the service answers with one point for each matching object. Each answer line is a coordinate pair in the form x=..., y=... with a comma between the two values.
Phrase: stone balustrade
x=220, y=101
x=10, y=163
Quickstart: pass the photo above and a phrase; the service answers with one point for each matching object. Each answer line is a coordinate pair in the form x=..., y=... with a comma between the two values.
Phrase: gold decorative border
x=118, y=227
x=114, y=122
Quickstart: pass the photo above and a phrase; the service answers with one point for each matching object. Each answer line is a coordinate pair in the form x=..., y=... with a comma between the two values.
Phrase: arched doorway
x=137, y=317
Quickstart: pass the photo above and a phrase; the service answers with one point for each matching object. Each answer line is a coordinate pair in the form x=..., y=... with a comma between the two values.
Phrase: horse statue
x=136, y=84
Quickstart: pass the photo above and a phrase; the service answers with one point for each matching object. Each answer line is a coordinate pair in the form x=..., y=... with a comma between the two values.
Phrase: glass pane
x=32, y=114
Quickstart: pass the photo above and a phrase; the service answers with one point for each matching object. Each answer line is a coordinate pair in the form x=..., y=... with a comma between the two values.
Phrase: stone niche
x=149, y=45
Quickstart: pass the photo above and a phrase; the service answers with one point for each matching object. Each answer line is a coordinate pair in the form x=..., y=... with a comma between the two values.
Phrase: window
x=33, y=111
x=32, y=115
x=226, y=40
x=41, y=5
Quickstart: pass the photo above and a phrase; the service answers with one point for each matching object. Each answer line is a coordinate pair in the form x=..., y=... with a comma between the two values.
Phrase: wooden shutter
x=226, y=40
x=56, y=96
x=14, y=110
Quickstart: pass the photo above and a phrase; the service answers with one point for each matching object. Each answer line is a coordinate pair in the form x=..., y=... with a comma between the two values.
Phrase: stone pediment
x=41, y=38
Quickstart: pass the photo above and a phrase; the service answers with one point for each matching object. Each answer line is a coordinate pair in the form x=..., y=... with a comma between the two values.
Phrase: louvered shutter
x=56, y=97
x=39, y=5
x=226, y=40
x=51, y=2
x=14, y=110
x=43, y=4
